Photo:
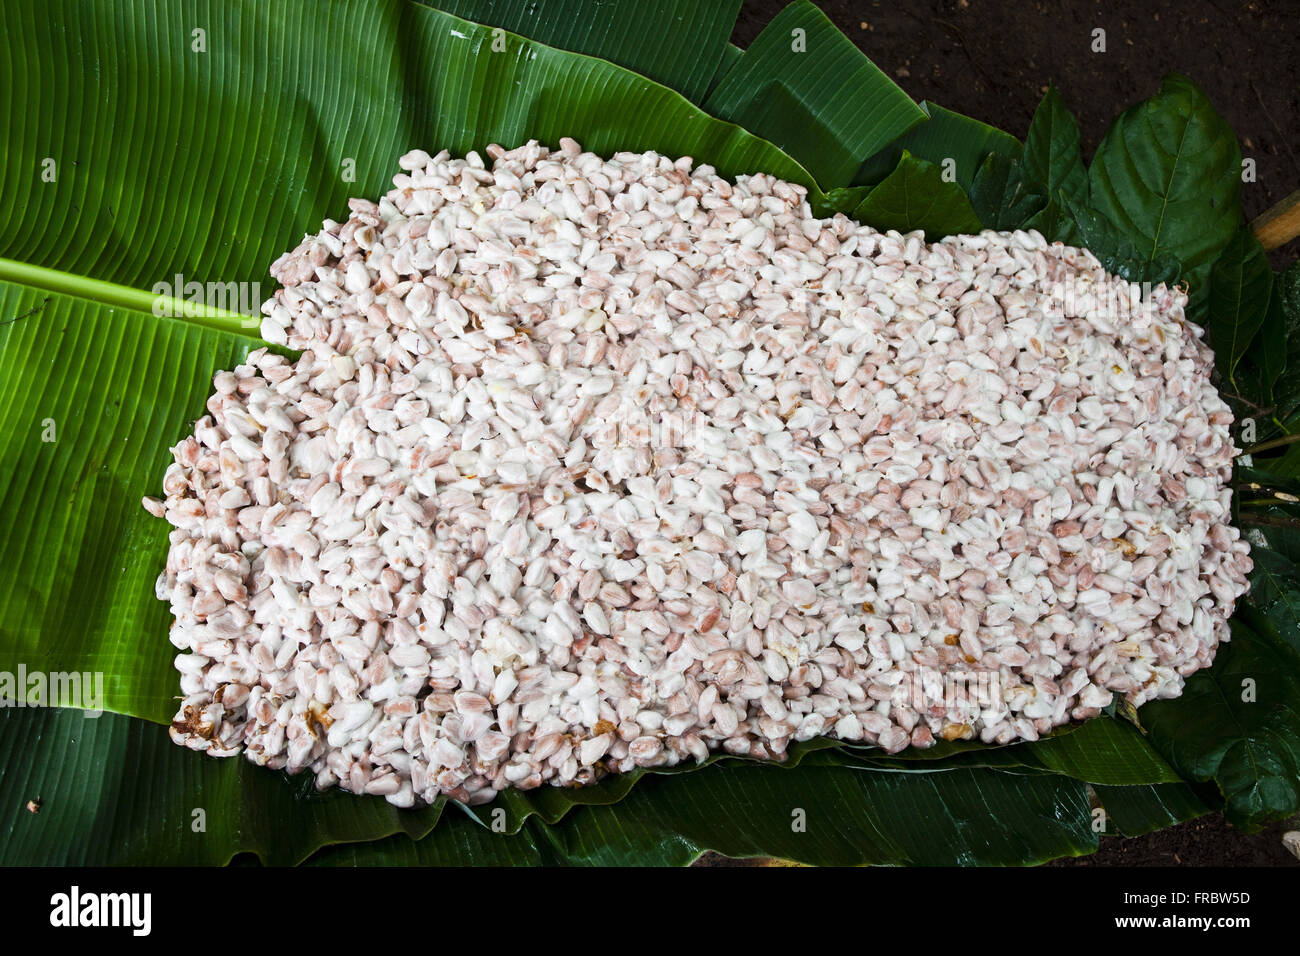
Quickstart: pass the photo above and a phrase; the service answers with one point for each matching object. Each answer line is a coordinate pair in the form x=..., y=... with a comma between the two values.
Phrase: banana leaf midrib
x=118, y=296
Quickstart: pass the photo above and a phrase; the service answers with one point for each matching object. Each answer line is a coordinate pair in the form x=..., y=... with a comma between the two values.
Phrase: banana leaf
x=823, y=815
x=951, y=140
x=1134, y=811
x=112, y=790
x=679, y=43
x=255, y=122
x=807, y=88
x=93, y=398
x=290, y=109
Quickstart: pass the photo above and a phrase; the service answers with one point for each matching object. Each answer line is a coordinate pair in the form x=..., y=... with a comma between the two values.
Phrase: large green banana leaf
x=211, y=163
x=255, y=121
x=825, y=815
x=175, y=806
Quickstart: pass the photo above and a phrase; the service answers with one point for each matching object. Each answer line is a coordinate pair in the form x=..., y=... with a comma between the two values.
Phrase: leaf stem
x=1258, y=409
x=126, y=297
x=1273, y=443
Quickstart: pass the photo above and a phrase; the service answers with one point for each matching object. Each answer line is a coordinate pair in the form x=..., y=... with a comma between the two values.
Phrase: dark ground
x=993, y=61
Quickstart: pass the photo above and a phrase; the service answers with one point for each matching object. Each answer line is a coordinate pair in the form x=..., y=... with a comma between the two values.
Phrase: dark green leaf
x=678, y=43
x=1275, y=591
x=1100, y=751
x=1241, y=283
x=1001, y=196
x=1114, y=250
x=843, y=199
x=915, y=196
x=1053, y=162
x=1267, y=355
x=803, y=85
x=1168, y=176
x=1249, y=747
x=1104, y=751
x=730, y=54
x=509, y=811
x=1284, y=319
x=1135, y=811
x=848, y=817
x=954, y=142
x=113, y=790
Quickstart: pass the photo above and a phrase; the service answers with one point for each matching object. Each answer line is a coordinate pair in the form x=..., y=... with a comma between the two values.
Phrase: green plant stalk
x=124, y=297
x=1273, y=443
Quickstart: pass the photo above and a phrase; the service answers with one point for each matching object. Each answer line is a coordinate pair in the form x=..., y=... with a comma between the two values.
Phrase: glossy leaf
x=1168, y=176
x=1238, y=724
x=915, y=196
x=824, y=815
x=1114, y=250
x=1001, y=195
x=93, y=398
x=1053, y=161
x=1105, y=751
x=270, y=130
x=116, y=791
x=678, y=43
x=1241, y=284
x=803, y=85
x=1275, y=591
x=956, y=143
x=1280, y=337
x=1135, y=811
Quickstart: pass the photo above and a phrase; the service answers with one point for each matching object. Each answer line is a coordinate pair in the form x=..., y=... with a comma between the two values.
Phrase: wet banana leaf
x=1133, y=811
x=824, y=815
